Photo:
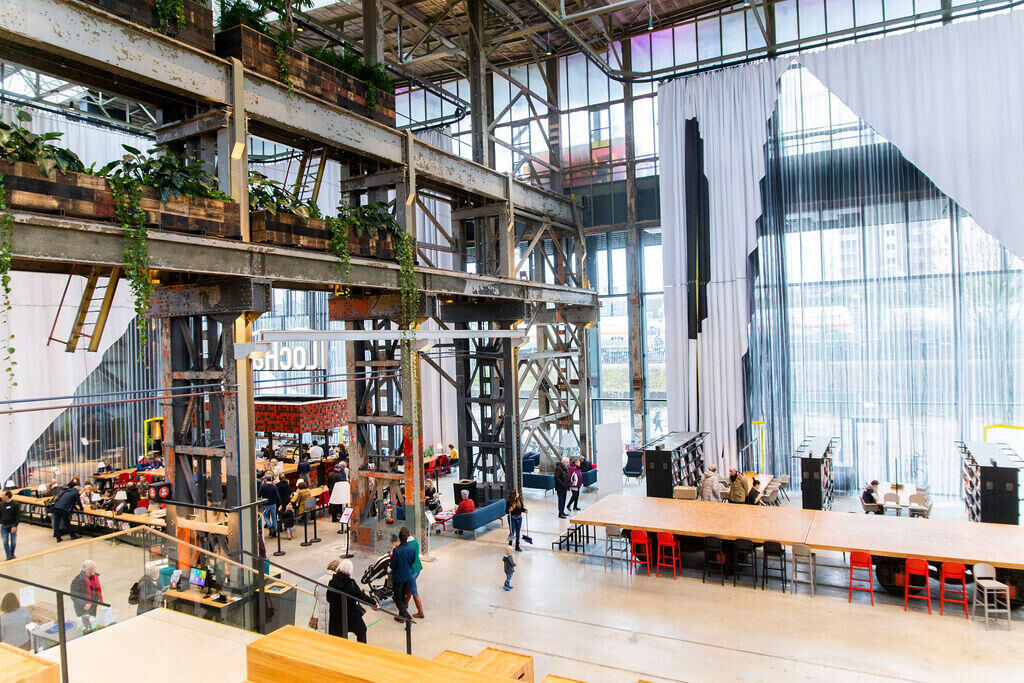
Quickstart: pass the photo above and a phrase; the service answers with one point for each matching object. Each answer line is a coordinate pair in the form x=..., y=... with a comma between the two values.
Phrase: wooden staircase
x=501, y=663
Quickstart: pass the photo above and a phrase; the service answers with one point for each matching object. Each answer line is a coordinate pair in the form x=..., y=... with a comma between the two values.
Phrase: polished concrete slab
x=585, y=621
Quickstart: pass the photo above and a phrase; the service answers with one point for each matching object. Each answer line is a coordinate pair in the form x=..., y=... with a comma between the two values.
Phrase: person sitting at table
x=53, y=488
x=869, y=496
x=151, y=592
x=739, y=486
x=144, y=464
x=755, y=493
x=107, y=502
x=276, y=467
x=86, y=592
x=302, y=493
x=431, y=499
x=13, y=620
x=156, y=462
x=466, y=504
x=133, y=497
x=86, y=494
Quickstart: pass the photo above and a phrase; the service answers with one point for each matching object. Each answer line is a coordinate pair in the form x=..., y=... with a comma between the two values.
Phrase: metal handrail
x=344, y=605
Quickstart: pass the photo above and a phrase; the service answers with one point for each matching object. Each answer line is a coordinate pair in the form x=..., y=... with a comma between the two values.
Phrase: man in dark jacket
x=269, y=495
x=67, y=502
x=9, y=513
x=403, y=556
x=343, y=581
x=562, y=485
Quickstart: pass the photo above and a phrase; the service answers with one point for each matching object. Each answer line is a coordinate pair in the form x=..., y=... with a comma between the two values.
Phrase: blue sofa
x=471, y=521
x=537, y=480
x=590, y=477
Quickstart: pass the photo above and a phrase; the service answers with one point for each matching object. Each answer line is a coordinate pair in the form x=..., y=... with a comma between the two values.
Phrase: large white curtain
x=48, y=370
x=961, y=84
x=732, y=108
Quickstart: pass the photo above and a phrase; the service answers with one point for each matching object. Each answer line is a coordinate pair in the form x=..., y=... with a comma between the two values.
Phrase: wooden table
x=1001, y=545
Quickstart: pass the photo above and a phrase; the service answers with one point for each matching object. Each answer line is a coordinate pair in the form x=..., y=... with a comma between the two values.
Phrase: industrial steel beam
x=55, y=244
x=122, y=57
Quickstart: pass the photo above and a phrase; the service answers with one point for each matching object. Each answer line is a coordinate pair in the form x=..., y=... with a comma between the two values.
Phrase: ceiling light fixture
x=650, y=18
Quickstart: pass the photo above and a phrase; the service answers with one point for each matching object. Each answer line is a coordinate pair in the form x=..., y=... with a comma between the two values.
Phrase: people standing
x=320, y=618
x=10, y=512
x=575, y=484
x=739, y=486
x=509, y=564
x=353, y=594
x=150, y=591
x=402, y=561
x=67, y=501
x=561, y=485
x=417, y=567
x=334, y=477
x=86, y=592
x=267, y=493
x=515, y=508
x=284, y=496
x=708, y=489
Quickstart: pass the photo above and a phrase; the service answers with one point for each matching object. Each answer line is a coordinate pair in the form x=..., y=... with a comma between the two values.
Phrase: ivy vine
x=404, y=246
x=282, y=46
x=340, y=231
x=127, y=192
x=6, y=251
x=170, y=15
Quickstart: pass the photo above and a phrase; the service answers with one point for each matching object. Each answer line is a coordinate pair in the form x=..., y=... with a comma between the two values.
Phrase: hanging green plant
x=340, y=230
x=127, y=192
x=405, y=254
x=6, y=252
x=283, y=42
x=170, y=15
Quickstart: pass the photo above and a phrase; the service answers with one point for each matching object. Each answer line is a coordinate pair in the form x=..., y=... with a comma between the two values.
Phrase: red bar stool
x=667, y=541
x=638, y=541
x=956, y=572
x=917, y=567
x=862, y=561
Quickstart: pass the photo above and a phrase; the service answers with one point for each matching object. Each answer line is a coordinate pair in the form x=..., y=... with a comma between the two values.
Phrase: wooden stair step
x=552, y=678
x=512, y=665
x=453, y=658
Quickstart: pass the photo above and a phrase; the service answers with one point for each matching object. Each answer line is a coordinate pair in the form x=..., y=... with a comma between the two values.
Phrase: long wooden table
x=1001, y=545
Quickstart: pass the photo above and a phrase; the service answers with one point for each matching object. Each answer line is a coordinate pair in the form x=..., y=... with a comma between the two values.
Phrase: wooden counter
x=19, y=666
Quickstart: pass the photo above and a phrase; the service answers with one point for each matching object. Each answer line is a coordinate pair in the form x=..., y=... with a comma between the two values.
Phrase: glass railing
x=141, y=569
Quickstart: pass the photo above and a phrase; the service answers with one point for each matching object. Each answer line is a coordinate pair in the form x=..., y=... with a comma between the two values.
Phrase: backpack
x=133, y=594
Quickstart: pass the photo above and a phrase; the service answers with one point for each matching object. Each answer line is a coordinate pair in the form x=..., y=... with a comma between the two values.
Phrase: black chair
x=774, y=551
x=715, y=558
x=634, y=465
x=745, y=555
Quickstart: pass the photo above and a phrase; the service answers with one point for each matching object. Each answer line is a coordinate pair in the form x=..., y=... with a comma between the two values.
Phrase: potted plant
x=277, y=217
x=186, y=20
x=340, y=77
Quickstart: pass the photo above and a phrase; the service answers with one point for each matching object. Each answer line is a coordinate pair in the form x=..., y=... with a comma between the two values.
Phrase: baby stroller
x=377, y=578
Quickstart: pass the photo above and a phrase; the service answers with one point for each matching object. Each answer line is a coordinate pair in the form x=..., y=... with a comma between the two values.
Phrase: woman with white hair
x=344, y=583
x=86, y=591
x=320, y=617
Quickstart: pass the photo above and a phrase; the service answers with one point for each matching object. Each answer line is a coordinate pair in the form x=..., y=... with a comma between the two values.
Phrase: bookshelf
x=817, y=471
x=676, y=460
x=989, y=478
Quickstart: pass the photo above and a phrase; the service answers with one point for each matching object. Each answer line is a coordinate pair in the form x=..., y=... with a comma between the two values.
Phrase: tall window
x=883, y=314
x=609, y=344
x=655, y=394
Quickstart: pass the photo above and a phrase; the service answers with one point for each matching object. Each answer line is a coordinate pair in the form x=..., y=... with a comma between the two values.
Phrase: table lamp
x=9, y=484
x=101, y=465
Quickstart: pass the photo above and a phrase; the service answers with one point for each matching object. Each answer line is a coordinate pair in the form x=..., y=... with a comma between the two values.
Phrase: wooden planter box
x=257, y=52
x=86, y=196
x=198, y=29
x=288, y=230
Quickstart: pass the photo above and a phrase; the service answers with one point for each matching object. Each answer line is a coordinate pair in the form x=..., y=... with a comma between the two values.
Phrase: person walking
x=509, y=564
x=68, y=500
x=320, y=619
x=575, y=484
x=562, y=485
x=402, y=561
x=10, y=512
x=86, y=592
x=516, y=510
x=708, y=489
x=353, y=594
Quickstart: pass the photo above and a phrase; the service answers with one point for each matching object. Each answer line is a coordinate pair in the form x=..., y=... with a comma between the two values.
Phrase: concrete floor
x=581, y=620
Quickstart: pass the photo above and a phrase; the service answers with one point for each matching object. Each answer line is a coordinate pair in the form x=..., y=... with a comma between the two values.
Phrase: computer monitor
x=197, y=577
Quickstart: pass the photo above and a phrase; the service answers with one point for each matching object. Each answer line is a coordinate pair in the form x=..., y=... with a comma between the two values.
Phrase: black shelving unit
x=676, y=460
x=990, y=480
x=817, y=472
